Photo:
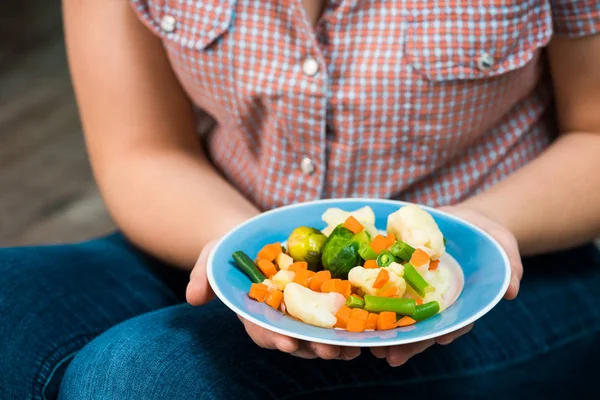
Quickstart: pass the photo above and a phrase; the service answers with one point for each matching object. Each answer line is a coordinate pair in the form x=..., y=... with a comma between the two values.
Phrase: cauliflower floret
x=284, y=261
x=397, y=268
x=439, y=279
x=269, y=284
x=364, y=279
x=314, y=308
x=434, y=296
x=282, y=278
x=415, y=226
x=335, y=216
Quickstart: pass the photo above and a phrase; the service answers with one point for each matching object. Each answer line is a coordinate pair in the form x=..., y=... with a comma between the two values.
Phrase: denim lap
x=515, y=351
x=55, y=300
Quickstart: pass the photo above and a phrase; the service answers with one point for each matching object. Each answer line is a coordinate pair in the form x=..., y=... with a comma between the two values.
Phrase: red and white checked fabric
x=424, y=101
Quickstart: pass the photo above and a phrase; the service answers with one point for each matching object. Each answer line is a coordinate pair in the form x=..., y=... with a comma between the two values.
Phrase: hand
x=199, y=292
x=398, y=355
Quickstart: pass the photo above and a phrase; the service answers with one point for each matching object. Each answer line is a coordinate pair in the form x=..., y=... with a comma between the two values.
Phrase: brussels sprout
x=305, y=244
x=362, y=238
x=340, y=252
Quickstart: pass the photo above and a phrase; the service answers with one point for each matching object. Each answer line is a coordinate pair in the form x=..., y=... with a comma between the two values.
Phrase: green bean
x=355, y=302
x=366, y=252
x=385, y=258
x=399, y=306
x=402, y=250
x=247, y=266
x=415, y=280
x=426, y=310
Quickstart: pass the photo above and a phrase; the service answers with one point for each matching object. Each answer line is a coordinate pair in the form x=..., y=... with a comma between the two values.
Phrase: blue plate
x=484, y=265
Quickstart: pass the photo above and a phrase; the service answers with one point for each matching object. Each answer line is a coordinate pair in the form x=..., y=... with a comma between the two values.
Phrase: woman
x=440, y=103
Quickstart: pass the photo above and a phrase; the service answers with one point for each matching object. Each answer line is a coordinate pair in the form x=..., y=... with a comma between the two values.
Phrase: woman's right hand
x=199, y=292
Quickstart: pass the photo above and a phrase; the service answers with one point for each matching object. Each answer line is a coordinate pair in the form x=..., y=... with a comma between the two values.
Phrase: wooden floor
x=47, y=194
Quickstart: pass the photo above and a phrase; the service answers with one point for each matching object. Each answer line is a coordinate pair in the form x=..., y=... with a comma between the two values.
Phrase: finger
x=198, y=290
x=379, y=352
x=270, y=340
x=449, y=338
x=349, y=353
x=305, y=351
x=509, y=243
x=398, y=355
x=325, y=351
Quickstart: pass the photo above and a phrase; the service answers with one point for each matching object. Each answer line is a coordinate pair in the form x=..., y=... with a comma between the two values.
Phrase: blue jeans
x=102, y=320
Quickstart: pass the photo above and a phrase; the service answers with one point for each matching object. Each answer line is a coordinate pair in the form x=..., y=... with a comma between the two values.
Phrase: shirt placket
x=309, y=129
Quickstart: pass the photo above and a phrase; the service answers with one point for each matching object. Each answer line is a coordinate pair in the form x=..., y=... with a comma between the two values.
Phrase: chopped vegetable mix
x=345, y=278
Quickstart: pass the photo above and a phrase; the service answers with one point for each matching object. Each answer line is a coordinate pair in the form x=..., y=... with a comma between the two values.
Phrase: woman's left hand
x=398, y=355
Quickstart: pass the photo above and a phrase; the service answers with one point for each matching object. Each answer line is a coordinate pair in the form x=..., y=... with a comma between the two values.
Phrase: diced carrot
x=330, y=286
x=258, y=291
x=347, y=286
x=298, y=265
x=353, y=224
x=311, y=274
x=419, y=302
x=388, y=292
x=301, y=277
x=267, y=267
x=270, y=251
x=327, y=286
x=342, y=287
x=359, y=313
x=433, y=265
x=382, y=278
x=419, y=258
x=371, y=264
x=355, y=325
x=317, y=280
x=372, y=321
x=342, y=315
x=391, y=239
x=405, y=321
x=379, y=244
x=274, y=298
x=386, y=320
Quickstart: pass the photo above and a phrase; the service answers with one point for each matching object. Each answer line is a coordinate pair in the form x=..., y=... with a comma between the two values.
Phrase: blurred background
x=47, y=193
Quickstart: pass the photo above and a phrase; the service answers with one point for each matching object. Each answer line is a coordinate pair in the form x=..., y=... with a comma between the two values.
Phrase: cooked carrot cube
x=342, y=316
x=382, y=278
x=298, y=265
x=353, y=225
x=433, y=265
x=419, y=258
x=372, y=321
x=405, y=321
x=379, y=244
x=258, y=291
x=386, y=320
x=355, y=325
x=301, y=277
x=359, y=313
x=266, y=267
x=274, y=298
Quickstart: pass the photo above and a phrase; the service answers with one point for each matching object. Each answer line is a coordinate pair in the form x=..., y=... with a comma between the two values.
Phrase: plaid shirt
x=425, y=101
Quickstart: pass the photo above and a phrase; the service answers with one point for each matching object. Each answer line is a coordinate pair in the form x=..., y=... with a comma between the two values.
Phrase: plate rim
x=351, y=343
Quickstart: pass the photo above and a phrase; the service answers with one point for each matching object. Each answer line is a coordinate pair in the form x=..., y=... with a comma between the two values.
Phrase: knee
x=146, y=357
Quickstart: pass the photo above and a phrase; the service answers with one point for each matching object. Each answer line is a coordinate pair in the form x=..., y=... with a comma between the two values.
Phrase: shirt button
x=307, y=166
x=167, y=23
x=485, y=62
x=310, y=66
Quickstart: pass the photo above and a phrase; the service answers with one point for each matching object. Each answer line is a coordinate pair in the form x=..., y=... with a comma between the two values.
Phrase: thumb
x=198, y=290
